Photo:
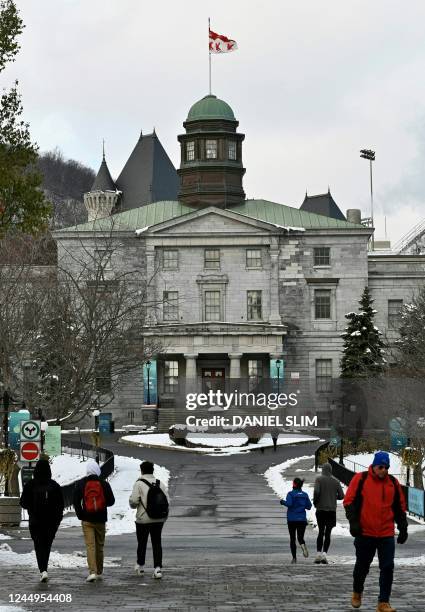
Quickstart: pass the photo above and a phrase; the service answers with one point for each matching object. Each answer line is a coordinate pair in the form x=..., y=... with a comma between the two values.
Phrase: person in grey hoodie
x=145, y=525
x=327, y=490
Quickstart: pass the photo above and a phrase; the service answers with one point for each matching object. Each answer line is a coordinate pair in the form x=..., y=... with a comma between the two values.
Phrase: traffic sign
x=30, y=430
x=30, y=451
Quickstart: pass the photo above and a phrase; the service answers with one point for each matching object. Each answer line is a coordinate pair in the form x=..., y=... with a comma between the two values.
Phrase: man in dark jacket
x=373, y=502
x=92, y=496
x=43, y=499
x=327, y=490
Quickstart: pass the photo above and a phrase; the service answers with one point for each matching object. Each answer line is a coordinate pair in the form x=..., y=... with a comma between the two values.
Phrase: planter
x=10, y=511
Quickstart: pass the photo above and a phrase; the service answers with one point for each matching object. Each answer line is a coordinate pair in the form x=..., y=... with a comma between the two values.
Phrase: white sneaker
x=91, y=578
x=324, y=558
x=44, y=577
x=157, y=573
x=304, y=549
x=139, y=569
x=318, y=558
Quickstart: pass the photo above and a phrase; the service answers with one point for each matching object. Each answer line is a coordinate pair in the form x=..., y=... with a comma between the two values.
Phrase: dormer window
x=211, y=149
x=232, y=150
x=190, y=151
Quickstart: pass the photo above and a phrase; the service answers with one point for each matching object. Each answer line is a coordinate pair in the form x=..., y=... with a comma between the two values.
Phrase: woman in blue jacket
x=297, y=502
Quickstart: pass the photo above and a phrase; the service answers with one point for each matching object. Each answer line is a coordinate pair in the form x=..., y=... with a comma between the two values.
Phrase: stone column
x=274, y=317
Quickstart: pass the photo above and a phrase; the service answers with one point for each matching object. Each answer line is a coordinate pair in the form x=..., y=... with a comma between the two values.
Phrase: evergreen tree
x=22, y=203
x=363, y=352
x=411, y=343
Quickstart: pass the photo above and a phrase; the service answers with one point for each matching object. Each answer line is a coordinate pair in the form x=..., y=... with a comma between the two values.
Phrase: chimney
x=354, y=215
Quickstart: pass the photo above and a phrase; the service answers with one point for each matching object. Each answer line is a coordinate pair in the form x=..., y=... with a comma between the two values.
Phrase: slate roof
x=148, y=176
x=103, y=180
x=157, y=212
x=322, y=204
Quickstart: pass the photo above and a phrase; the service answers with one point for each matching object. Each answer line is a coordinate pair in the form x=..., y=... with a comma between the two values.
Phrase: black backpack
x=157, y=502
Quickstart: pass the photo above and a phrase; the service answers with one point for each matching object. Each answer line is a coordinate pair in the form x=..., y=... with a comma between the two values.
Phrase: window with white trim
x=253, y=258
x=322, y=256
x=171, y=376
x=322, y=304
x=255, y=373
x=190, y=150
x=323, y=375
x=254, y=305
x=170, y=305
x=394, y=313
x=231, y=150
x=212, y=259
x=170, y=259
x=212, y=306
x=211, y=149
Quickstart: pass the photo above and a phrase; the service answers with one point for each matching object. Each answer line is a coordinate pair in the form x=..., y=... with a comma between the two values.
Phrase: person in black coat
x=42, y=498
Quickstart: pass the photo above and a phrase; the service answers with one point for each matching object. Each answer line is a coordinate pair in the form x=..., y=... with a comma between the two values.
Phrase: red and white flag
x=221, y=44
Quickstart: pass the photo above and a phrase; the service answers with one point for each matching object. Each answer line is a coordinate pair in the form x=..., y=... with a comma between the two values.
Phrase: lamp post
x=148, y=395
x=278, y=362
x=370, y=155
x=96, y=440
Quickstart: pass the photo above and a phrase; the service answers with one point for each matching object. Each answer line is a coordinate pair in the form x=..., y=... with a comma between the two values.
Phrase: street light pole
x=370, y=155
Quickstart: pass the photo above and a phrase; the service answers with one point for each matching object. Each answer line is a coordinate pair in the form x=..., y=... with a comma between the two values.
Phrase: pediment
x=212, y=220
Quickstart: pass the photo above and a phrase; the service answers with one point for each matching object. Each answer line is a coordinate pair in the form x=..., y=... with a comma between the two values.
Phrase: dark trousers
x=296, y=528
x=143, y=531
x=43, y=537
x=326, y=521
x=366, y=548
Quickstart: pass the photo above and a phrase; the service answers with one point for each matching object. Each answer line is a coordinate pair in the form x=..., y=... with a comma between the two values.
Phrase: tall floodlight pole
x=370, y=155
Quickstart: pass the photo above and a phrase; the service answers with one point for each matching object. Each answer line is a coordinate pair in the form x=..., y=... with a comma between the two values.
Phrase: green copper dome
x=210, y=107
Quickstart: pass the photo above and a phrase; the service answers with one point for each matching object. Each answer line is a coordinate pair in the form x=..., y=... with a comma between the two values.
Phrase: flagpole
x=209, y=53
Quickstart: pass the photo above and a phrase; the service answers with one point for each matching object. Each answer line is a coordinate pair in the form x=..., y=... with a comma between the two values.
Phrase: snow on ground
x=3, y=536
x=361, y=462
x=64, y=560
x=68, y=468
x=221, y=444
x=281, y=486
x=120, y=515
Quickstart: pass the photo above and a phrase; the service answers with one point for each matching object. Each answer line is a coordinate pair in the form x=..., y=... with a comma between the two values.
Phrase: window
x=212, y=306
x=323, y=375
x=254, y=305
x=232, y=150
x=211, y=149
x=170, y=306
x=171, y=376
x=212, y=259
x=103, y=378
x=394, y=313
x=170, y=260
x=322, y=256
x=190, y=151
x=322, y=304
x=253, y=258
x=255, y=373
x=103, y=258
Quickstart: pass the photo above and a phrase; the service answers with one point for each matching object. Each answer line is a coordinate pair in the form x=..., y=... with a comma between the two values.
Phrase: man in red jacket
x=373, y=502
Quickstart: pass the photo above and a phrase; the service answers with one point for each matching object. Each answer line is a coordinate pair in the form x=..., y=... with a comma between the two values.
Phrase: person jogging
x=42, y=497
x=297, y=502
x=373, y=503
x=327, y=490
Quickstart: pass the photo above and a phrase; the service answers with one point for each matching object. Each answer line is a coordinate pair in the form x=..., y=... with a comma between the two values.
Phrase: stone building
x=242, y=290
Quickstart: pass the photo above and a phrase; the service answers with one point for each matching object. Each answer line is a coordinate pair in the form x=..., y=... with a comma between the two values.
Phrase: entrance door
x=212, y=378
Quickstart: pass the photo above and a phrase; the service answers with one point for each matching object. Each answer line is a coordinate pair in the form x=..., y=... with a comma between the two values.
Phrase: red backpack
x=94, y=497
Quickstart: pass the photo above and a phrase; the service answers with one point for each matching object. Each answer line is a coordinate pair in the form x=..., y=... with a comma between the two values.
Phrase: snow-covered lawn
x=78, y=558
x=220, y=444
x=68, y=468
x=120, y=515
x=360, y=463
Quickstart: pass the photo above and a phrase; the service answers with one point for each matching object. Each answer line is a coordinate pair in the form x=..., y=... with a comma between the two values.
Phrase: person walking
x=373, y=503
x=327, y=490
x=42, y=498
x=92, y=497
x=150, y=498
x=275, y=436
x=297, y=502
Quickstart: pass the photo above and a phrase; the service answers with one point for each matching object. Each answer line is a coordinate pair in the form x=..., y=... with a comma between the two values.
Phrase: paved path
x=225, y=548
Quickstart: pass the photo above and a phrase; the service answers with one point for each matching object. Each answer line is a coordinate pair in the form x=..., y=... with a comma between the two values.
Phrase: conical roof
x=103, y=180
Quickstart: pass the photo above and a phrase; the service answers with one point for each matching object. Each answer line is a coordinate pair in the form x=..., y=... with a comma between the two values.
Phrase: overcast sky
x=311, y=84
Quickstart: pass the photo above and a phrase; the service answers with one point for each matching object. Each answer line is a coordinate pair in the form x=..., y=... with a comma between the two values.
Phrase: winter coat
x=327, y=490
x=377, y=514
x=92, y=517
x=44, y=502
x=139, y=498
x=297, y=502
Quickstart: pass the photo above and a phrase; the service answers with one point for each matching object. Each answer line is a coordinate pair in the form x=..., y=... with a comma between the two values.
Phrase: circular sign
x=30, y=451
x=30, y=430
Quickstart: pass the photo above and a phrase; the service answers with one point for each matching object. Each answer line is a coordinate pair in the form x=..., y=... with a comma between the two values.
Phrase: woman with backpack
x=42, y=498
x=297, y=502
x=150, y=497
x=92, y=497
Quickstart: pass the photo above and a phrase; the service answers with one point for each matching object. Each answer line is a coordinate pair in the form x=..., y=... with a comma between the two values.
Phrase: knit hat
x=381, y=458
x=93, y=469
x=297, y=483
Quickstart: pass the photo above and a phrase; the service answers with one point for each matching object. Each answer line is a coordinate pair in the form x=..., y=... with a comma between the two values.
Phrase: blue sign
x=277, y=371
x=15, y=419
x=150, y=384
x=398, y=435
x=416, y=501
x=105, y=419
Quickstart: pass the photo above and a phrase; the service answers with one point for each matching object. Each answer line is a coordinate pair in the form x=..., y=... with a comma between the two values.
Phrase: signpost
x=15, y=419
x=30, y=451
x=30, y=430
